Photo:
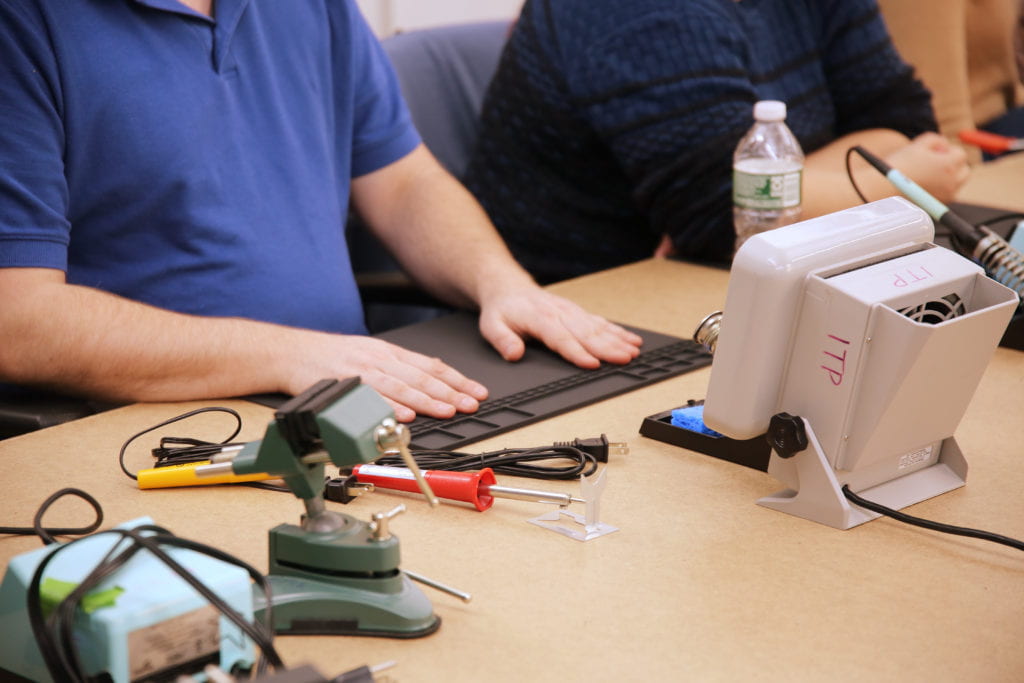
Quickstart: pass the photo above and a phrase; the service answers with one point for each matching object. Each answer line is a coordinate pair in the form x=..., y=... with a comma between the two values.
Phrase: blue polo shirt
x=199, y=165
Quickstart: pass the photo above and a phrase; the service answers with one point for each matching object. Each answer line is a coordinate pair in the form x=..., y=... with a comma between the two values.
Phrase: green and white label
x=766, y=190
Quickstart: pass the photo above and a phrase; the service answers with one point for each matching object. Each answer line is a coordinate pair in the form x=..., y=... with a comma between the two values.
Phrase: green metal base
x=342, y=582
x=309, y=607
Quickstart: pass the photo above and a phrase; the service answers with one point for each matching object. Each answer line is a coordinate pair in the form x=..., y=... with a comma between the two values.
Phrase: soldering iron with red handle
x=991, y=142
x=479, y=488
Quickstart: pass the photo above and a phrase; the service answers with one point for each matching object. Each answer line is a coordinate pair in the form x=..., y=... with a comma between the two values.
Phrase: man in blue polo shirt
x=174, y=180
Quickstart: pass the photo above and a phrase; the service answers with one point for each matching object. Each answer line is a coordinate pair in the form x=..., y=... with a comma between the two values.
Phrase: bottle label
x=766, y=190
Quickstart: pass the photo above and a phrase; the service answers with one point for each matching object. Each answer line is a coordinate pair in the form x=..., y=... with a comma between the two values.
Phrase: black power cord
x=940, y=230
x=47, y=534
x=177, y=450
x=849, y=174
x=580, y=455
x=929, y=524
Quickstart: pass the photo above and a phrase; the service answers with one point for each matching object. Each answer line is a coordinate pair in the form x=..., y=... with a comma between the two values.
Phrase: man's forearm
x=437, y=230
x=929, y=160
x=84, y=340
x=441, y=235
x=828, y=188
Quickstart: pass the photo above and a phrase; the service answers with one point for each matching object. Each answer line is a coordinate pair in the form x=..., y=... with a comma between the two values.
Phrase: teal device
x=142, y=622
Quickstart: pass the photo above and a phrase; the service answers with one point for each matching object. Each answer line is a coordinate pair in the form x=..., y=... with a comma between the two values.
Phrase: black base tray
x=753, y=453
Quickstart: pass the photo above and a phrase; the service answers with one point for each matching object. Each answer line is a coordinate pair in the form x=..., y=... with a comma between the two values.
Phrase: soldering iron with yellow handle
x=184, y=474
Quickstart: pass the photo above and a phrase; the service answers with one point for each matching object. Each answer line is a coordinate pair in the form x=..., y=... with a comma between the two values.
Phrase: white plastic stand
x=816, y=494
x=587, y=527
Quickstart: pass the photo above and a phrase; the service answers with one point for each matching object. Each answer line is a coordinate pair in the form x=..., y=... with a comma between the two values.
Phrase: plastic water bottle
x=767, y=174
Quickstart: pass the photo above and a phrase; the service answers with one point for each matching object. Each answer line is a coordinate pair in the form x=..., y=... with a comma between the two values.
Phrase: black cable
x=961, y=234
x=929, y=524
x=47, y=534
x=849, y=174
x=266, y=485
x=62, y=618
x=988, y=223
x=177, y=450
x=191, y=450
x=511, y=461
x=55, y=635
x=1014, y=216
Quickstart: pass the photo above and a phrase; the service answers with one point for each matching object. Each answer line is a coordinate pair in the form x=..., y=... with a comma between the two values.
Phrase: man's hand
x=411, y=382
x=935, y=164
x=665, y=248
x=930, y=160
x=582, y=338
x=416, y=384
x=444, y=240
x=93, y=343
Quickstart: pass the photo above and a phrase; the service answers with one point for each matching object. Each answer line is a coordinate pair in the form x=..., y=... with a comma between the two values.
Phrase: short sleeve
x=34, y=230
x=383, y=131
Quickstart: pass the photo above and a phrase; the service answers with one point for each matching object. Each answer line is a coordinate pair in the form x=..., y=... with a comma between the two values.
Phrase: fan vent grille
x=937, y=310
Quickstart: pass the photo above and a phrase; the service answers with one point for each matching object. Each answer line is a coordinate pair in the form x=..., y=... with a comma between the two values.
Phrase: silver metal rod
x=562, y=499
x=379, y=524
x=392, y=435
x=227, y=453
x=383, y=666
x=315, y=458
x=214, y=469
x=461, y=595
x=421, y=481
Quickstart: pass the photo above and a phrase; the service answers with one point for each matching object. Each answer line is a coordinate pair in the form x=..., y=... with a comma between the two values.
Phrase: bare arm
x=90, y=342
x=86, y=341
x=929, y=160
x=442, y=236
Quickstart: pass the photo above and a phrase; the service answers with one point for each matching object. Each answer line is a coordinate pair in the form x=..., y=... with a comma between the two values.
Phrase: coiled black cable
x=517, y=462
x=176, y=450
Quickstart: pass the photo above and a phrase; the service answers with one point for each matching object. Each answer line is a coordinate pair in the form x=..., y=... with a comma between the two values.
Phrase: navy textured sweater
x=610, y=123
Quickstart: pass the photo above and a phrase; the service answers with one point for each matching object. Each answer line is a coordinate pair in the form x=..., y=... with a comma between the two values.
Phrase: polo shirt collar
x=226, y=15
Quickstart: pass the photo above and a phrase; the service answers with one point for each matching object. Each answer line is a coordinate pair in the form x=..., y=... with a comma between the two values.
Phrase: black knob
x=786, y=434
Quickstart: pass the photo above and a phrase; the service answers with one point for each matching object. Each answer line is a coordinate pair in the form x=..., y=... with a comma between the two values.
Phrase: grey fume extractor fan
x=857, y=344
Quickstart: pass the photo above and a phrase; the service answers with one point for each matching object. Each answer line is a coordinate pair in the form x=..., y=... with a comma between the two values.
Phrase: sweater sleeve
x=670, y=96
x=870, y=84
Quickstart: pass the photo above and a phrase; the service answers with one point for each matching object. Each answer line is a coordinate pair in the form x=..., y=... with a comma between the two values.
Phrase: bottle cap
x=770, y=110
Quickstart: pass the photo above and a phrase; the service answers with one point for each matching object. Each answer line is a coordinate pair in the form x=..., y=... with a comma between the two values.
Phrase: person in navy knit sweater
x=608, y=131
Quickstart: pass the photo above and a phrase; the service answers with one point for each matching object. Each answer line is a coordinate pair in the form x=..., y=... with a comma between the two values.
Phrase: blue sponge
x=692, y=418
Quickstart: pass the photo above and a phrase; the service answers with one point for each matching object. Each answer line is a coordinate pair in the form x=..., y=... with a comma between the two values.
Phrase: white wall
x=388, y=16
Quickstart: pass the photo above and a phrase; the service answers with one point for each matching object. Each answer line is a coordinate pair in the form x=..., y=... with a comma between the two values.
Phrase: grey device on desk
x=539, y=386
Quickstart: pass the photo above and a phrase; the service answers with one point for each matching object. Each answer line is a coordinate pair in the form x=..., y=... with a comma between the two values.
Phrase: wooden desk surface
x=998, y=183
x=700, y=583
